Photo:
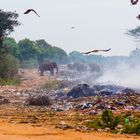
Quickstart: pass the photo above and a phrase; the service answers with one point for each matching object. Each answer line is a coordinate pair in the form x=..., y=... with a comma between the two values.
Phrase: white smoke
x=122, y=75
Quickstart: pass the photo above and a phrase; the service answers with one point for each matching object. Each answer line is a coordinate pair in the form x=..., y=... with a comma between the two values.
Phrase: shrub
x=96, y=124
x=132, y=128
x=8, y=67
x=108, y=120
x=31, y=63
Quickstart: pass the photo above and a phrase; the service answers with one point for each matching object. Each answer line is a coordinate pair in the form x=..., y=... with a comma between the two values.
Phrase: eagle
x=29, y=10
x=134, y=2
x=97, y=51
x=138, y=17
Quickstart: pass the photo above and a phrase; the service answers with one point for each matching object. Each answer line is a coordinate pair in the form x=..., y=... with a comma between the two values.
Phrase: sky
x=99, y=24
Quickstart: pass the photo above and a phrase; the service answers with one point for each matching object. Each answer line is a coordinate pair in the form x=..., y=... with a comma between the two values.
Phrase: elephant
x=77, y=66
x=94, y=68
x=49, y=66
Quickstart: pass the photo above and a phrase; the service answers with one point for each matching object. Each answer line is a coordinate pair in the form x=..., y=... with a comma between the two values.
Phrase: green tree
x=11, y=46
x=108, y=119
x=28, y=49
x=57, y=54
x=43, y=47
x=8, y=20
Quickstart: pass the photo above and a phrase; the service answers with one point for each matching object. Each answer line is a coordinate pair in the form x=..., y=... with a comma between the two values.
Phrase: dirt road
x=27, y=132
x=30, y=79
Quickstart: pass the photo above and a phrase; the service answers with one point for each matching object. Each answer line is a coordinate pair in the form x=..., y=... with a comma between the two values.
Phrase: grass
x=9, y=81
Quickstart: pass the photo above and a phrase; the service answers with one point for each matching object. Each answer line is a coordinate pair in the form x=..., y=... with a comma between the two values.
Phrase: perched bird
x=138, y=17
x=97, y=51
x=29, y=10
x=134, y=2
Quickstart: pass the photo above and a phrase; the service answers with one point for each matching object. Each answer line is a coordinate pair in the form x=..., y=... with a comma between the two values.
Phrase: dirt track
x=17, y=131
x=30, y=79
x=26, y=132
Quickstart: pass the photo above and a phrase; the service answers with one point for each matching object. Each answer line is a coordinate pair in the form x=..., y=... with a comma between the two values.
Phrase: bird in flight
x=29, y=10
x=138, y=17
x=134, y=2
x=97, y=51
x=72, y=27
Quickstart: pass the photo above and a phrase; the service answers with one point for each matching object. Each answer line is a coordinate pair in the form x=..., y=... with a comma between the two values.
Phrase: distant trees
x=134, y=33
x=135, y=54
x=28, y=49
x=11, y=46
x=32, y=53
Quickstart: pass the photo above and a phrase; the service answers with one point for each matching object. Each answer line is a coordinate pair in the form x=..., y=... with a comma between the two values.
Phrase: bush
x=108, y=120
x=31, y=63
x=96, y=124
x=10, y=81
x=8, y=67
x=132, y=128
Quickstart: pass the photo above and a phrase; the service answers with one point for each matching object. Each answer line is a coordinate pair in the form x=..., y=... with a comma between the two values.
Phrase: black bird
x=97, y=51
x=72, y=27
x=138, y=17
x=134, y=2
x=29, y=10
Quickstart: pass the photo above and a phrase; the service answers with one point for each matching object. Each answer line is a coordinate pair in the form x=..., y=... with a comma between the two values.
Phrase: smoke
x=123, y=75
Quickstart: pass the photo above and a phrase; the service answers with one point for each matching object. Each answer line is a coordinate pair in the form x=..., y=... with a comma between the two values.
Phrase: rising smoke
x=123, y=74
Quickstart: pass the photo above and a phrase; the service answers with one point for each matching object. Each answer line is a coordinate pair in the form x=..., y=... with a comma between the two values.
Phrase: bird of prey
x=29, y=10
x=134, y=2
x=138, y=17
x=72, y=27
x=97, y=51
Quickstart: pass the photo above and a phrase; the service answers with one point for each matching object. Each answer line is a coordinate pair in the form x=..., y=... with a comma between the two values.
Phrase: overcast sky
x=99, y=24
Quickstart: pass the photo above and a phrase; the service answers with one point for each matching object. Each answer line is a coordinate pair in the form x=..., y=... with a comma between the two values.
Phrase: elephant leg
x=52, y=71
x=41, y=73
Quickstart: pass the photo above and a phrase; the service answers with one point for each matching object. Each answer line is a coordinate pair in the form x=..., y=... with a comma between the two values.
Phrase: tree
x=11, y=46
x=28, y=49
x=109, y=120
x=8, y=20
x=57, y=54
x=43, y=46
x=134, y=33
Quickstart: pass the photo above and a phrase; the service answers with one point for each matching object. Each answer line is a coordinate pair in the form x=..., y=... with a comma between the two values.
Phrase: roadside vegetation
x=126, y=123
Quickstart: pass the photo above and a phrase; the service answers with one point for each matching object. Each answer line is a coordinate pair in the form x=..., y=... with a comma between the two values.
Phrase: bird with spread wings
x=97, y=51
x=29, y=10
x=134, y=2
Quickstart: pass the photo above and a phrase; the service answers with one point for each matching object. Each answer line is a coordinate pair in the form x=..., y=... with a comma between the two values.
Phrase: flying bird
x=97, y=51
x=134, y=2
x=72, y=27
x=29, y=10
x=138, y=17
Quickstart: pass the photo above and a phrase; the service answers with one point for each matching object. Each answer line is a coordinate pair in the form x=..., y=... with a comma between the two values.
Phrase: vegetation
x=108, y=120
x=8, y=67
x=32, y=53
x=122, y=123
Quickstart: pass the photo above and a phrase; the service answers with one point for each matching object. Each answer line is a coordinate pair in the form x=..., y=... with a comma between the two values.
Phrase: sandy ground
x=26, y=132
x=17, y=131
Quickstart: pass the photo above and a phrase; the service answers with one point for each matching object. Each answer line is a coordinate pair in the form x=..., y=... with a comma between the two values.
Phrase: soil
x=17, y=124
